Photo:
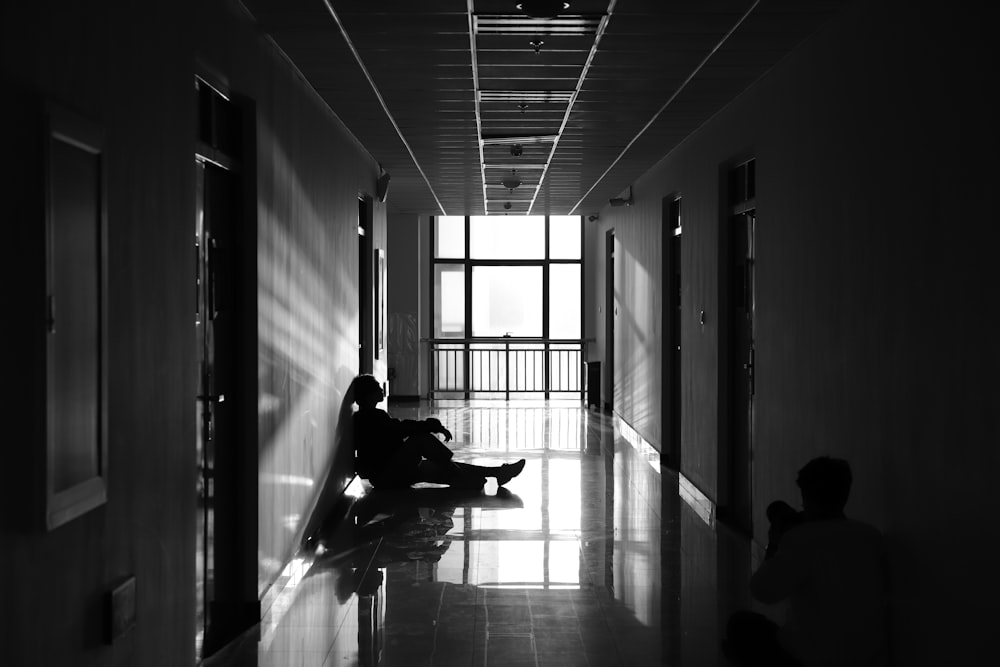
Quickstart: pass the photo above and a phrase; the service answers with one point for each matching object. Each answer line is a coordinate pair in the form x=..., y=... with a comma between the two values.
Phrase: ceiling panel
x=645, y=73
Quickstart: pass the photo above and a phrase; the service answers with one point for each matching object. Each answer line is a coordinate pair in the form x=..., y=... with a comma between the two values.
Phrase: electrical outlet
x=120, y=604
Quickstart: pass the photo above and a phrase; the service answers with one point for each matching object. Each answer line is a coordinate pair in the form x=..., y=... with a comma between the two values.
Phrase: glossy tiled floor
x=590, y=557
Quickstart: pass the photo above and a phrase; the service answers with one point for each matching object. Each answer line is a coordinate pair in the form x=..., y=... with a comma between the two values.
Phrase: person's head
x=367, y=391
x=825, y=483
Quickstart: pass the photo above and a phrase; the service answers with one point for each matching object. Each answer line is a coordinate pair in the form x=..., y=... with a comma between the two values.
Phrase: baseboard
x=696, y=499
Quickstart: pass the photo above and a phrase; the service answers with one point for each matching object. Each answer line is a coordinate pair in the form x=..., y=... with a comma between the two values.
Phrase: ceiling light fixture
x=518, y=24
x=512, y=181
x=516, y=150
x=536, y=44
x=522, y=106
x=542, y=9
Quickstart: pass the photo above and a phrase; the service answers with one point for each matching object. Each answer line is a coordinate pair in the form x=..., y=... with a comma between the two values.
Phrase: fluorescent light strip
x=527, y=139
x=514, y=165
x=536, y=96
x=576, y=93
x=475, y=87
x=381, y=100
x=504, y=24
x=667, y=103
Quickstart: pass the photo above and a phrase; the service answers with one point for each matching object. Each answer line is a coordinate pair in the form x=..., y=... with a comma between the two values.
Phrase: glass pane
x=506, y=300
x=507, y=237
x=564, y=301
x=449, y=301
x=449, y=236
x=564, y=237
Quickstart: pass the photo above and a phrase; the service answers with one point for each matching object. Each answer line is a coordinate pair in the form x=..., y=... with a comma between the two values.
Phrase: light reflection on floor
x=588, y=558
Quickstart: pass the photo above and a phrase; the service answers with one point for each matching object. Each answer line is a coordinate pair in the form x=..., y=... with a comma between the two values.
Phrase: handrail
x=506, y=339
x=506, y=365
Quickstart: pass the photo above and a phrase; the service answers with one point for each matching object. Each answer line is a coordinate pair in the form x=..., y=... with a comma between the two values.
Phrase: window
x=449, y=301
x=507, y=303
x=507, y=237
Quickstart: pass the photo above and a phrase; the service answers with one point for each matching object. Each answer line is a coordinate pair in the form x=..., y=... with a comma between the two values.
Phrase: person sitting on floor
x=832, y=572
x=396, y=453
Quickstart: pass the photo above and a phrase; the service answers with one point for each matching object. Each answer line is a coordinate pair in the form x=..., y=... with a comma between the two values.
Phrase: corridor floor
x=592, y=556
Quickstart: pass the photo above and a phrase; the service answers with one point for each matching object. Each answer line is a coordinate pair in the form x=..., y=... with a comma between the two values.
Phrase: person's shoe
x=509, y=471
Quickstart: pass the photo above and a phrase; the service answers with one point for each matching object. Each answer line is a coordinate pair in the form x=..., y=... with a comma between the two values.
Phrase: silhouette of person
x=832, y=572
x=395, y=453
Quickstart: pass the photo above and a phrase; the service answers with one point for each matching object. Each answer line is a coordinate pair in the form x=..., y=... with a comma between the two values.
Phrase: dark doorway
x=736, y=460
x=365, y=288
x=226, y=592
x=671, y=295
x=610, y=314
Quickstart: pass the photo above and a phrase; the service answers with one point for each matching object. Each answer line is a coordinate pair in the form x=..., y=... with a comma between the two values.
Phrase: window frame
x=545, y=263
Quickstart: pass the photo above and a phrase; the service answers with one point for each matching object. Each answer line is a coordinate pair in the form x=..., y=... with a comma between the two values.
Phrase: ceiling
x=440, y=91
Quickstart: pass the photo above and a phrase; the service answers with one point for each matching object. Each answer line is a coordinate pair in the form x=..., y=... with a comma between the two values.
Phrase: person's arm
x=408, y=427
x=437, y=427
x=778, y=576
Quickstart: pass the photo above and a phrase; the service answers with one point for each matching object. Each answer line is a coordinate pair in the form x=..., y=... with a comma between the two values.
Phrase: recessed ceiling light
x=512, y=181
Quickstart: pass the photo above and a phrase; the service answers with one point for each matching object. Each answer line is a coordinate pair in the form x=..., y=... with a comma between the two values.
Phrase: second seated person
x=396, y=453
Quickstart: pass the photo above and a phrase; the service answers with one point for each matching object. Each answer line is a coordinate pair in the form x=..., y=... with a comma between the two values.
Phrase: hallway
x=591, y=558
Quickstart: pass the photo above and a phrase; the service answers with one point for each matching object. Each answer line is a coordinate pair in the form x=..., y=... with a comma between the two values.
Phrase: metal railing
x=499, y=367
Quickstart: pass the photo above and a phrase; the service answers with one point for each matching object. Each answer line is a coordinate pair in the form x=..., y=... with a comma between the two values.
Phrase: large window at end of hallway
x=507, y=305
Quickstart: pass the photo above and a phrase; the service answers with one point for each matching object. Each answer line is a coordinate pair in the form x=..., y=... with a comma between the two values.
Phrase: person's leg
x=456, y=475
x=429, y=447
x=400, y=471
x=446, y=471
x=503, y=473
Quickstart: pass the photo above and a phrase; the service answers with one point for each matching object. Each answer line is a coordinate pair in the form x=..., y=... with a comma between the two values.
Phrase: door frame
x=234, y=606
x=735, y=490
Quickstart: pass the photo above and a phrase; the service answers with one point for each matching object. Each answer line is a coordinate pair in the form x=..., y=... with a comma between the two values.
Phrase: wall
x=131, y=69
x=875, y=148
x=128, y=70
x=405, y=280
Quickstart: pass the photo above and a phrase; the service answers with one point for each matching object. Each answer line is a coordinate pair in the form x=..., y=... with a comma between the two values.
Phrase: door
x=225, y=324
x=610, y=314
x=741, y=368
x=671, y=326
x=213, y=322
x=365, y=288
